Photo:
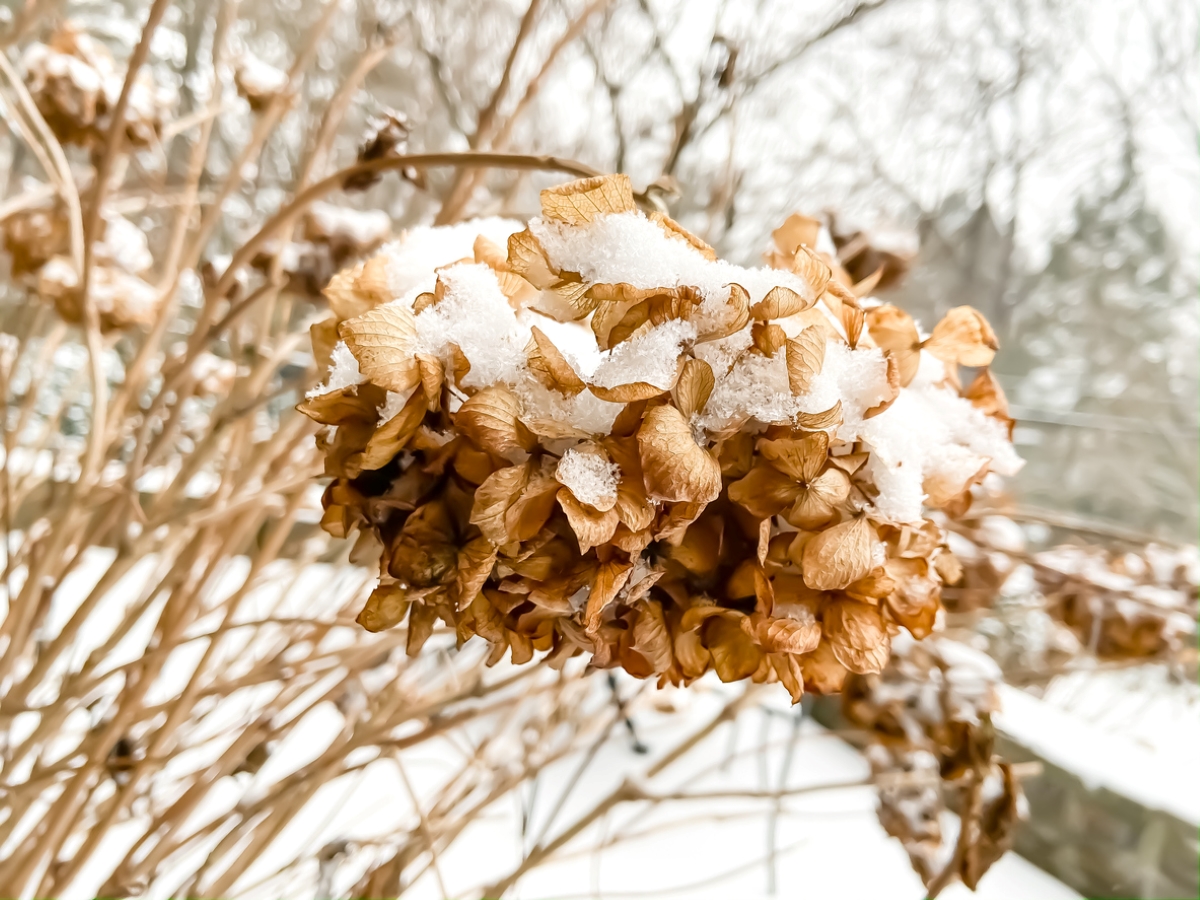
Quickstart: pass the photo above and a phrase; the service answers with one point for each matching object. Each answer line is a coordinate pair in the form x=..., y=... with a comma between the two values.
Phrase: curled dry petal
x=893, y=383
x=610, y=578
x=432, y=374
x=895, y=332
x=986, y=394
x=796, y=231
x=736, y=315
x=783, y=635
x=768, y=338
x=819, y=421
x=527, y=259
x=651, y=638
x=674, y=466
x=476, y=560
x=963, y=337
x=779, y=303
x=823, y=672
x=819, y=498
x=490, y=254
x=913, y=602
x=814, y=270
x=579, y=202
x=626, y=393
x=493, y=498
x=805, y=357
x=801, y=459
x=694, y=387
x=392, y=437
x=591, y=527
x=764, y=492
x=490, y=419
x=382, y=340
x=550, y=366
x=858, y=636
x=735, y=656
x=675, y=230
x=385, y=608
x=839, y=556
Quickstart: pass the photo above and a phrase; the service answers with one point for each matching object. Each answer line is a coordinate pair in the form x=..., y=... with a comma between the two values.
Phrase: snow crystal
x=591, y=477
x=343, y=373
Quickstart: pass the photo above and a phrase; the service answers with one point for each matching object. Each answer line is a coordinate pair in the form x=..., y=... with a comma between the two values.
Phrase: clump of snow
x=259, y=78
x=591, y=477
x=343, y=373
x=653, y=357
x=359, y=227
x=475, y=315
x=412, y=259
x=628, y=248
x=930, y=430
x=584, y=411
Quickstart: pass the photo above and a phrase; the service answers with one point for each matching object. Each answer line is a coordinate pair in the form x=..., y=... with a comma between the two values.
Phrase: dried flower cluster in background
x=602, y=439
x=929, y=720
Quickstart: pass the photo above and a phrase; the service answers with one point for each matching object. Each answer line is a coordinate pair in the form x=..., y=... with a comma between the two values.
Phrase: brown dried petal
x=805, y=357
x=737, y=314
x=490, y=254
x=819, y=498
x=779, y=303
x=385, y=608
x=527, y=259
x=490, y=419
x=814, y=270
x=764, y=492
x=493, y=498
x=432, y=374
x=795, y=231
x=821, y=420
x=626, y=393
x=839, y=555
x=394, y=434
x=823, y=673
x=893, y=383
x=895, y=332
x=858, y=636
x=651, y=638
x=735, y=656
x=579, y=202
x=674, y=467
x=475, y=562
x=783, y=635
x=963, y=337
x=694, y=387
x=610, y=578
x=591, y=527
x=550, y=366
x=801, y=459
x=383, y=340
x=769, y=339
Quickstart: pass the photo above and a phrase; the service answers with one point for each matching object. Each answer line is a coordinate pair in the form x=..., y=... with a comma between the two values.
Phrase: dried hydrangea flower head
x=75, y=83
x=590, y=435
x=122, y=296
